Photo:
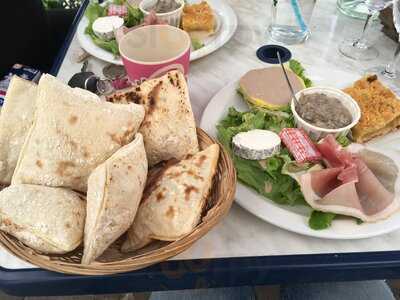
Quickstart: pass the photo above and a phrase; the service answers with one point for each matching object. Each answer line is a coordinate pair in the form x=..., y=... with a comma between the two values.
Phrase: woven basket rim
x=226, y=181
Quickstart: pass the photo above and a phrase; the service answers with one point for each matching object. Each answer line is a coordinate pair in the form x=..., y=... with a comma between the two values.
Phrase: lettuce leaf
x=320, y=220
x=94, y=11
x=298, y=69
x=110, y=46
x=134, y=17
x=343, y=140
x=197, y=44
x=263, y=176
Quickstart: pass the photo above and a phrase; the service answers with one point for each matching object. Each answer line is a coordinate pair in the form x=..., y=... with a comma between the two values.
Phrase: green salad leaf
x=343, y=140
x=111, y=46
x=320, y=220
x=197, y=44
x=263, y=176
x=298, y=69
x=135, y=16
x=94, y=11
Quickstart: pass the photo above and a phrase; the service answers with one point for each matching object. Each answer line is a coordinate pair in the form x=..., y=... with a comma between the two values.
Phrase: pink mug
x=151, y=51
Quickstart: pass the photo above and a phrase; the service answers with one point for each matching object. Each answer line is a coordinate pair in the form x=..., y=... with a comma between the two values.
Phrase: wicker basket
x=113, y=261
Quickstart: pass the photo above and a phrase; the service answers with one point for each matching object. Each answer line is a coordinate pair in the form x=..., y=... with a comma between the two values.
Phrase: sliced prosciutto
x=348, y=186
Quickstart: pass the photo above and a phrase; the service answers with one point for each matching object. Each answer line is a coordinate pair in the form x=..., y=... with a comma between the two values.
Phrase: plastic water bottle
x=289, y=21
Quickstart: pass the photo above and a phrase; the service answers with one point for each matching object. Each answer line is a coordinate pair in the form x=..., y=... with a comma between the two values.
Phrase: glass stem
x=361, y=43
x=274, y=11
x=390, y=69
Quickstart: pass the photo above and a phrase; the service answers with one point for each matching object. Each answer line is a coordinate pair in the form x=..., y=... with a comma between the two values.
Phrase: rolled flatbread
x=114, y=192
x=169, y=128
x=49, y=220
x=15, y=120
x=175, y=202
x=72, y=133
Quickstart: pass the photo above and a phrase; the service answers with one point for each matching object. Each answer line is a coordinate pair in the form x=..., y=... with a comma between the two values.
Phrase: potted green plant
x=62, y=4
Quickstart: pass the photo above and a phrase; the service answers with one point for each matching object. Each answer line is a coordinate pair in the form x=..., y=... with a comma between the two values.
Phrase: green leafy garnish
x=134, y=17
x=343, y=140
x=197, y=44
x=263, y=176
x=111, y=46
x=359, y=221
x=298, y=69
x=94, y=11
x=320, y=220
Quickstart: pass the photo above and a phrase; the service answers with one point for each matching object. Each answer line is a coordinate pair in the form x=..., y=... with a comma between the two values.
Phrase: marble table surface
x=240, y=233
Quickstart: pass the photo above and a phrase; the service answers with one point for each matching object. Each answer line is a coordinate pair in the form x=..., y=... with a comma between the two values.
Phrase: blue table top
x=188, y=274
x=191, y=274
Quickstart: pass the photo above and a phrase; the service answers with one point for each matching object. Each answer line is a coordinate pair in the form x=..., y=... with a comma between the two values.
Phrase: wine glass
x=388, y=74
x=359, y=49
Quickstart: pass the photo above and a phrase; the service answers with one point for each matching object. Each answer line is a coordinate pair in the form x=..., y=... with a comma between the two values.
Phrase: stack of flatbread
x=76, y=166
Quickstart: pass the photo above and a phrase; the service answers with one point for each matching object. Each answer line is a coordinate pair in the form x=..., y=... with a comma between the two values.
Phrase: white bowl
x=317, y=133
x=172, y=18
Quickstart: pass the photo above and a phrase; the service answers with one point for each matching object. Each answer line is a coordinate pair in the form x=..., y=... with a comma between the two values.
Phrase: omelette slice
x=380, y=109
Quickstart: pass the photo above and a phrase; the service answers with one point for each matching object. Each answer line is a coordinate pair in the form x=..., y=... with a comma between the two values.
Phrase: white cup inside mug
x=147, y=49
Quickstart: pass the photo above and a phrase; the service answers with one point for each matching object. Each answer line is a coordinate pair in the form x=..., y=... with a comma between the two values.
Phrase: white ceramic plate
x=226, y=27
x=296, y=218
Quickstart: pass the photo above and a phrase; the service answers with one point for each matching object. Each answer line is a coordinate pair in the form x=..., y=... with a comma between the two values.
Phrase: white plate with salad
x=287, y=208
x=225, y=19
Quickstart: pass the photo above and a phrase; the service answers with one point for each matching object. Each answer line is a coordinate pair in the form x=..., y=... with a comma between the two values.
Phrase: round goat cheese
x=104, y=27
x=256, y=144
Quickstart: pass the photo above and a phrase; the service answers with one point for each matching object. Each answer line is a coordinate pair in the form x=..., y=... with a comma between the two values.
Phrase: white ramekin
x=173, y=18
x=317, y=133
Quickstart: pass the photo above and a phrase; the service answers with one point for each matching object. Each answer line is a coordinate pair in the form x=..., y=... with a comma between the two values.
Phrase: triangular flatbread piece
x=173, y=206
x=15, y=120
x=169, y=128
x=49, y=220
x=114, y=192
x=73, y=132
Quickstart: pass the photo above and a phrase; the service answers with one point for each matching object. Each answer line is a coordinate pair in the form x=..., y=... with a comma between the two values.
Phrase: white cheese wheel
x=256, y=144
x=104, y=27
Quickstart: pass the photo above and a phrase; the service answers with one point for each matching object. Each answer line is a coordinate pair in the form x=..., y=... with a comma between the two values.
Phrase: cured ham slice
x=326, y=181
x=348, y=186
x=330, y=149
